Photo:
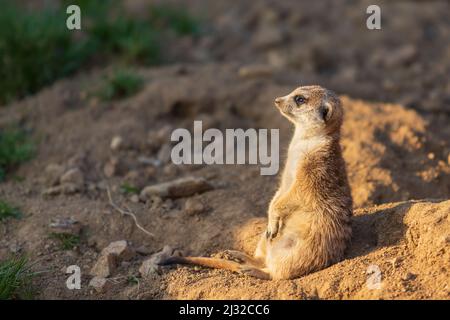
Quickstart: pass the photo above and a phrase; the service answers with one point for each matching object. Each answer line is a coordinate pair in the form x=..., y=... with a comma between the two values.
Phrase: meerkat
x=309, y=218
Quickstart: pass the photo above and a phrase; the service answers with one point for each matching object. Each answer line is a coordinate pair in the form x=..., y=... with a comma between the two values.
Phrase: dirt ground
x=395, y=139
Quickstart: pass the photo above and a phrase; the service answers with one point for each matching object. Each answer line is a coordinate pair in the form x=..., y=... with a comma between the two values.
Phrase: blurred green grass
x=8, y=211
x=15, y=279
x=36, y=48
x=15, y=148
x=66, y=241
x=121, y=83
x=167, y=17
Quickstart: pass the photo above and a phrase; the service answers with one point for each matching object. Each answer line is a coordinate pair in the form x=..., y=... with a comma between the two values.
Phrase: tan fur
x=309, y=216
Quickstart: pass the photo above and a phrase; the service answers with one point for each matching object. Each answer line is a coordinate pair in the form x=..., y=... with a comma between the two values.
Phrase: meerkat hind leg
x=245, y=258
x=261, y=248
x=253, y=271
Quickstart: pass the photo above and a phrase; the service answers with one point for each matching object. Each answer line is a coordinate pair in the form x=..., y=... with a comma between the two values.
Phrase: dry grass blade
x=128, y=213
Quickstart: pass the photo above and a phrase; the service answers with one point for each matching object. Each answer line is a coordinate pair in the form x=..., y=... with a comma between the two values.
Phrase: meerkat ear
x=326, y=111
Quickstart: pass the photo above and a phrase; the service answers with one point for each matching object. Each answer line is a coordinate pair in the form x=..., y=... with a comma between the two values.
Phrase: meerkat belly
x=292, y=241
x=294, y=229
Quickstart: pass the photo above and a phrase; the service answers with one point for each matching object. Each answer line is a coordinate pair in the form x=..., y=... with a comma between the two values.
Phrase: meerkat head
x=313, y=109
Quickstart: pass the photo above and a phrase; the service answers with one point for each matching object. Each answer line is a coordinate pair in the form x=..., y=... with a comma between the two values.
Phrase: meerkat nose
x=278, y=101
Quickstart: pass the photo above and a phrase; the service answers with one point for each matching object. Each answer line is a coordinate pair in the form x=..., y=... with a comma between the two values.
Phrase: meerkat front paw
x=272, y=228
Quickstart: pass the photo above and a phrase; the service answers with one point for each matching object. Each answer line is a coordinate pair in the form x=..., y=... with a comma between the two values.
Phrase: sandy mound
x=407, y=241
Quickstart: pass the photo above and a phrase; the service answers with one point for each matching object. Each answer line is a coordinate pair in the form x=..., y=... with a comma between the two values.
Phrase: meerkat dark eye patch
x=299, y=100
x=325, y=112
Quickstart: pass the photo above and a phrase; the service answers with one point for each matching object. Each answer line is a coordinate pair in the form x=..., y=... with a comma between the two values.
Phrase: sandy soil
x=395, y=90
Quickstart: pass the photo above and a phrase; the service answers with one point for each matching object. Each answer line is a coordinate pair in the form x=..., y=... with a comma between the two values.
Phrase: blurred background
x=407, y=61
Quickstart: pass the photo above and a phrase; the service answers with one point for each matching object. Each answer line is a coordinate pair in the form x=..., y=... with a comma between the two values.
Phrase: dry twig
x=128, y=213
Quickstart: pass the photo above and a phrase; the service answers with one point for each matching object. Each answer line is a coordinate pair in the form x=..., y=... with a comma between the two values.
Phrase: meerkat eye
x=299, y=100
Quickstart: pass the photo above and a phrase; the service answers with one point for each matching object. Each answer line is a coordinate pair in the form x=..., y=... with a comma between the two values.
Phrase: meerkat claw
x=272, y=229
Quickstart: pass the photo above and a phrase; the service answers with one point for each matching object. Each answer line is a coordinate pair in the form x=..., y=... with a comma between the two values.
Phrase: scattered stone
x=116, y=143
x=155, y=202
x=73, y=176
x=164, y=153
x=70, y=188
x=52, y=191
x=15, y=247
x=134, y=198
x=149, y=161
x=255, y=71
x=156, y=138
x=168, y=205
x=67, y=188
x=109, y=169
x=53, y=173
x=170, y=170
x=194, y=206
x=112, y=167
x=72, y=254
x=143, y=250
x=150, y=172
x=92, y=242
x=70, y=182
x=121, y=249
x=77, y=161
x=431, y=156
x=446, y=239
x=136, y=179
x=396, y=262
x=208, y=121
x=409, y=276
x=102, y=185
x=91, y=187
x=110, y=257
x=65, y=226
x=105, y=266
x=183, y=187
x=150, y=265
x=401, y=56
x=100, y=284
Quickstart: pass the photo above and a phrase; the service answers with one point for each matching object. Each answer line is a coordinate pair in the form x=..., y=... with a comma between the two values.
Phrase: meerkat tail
x=215, y=263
